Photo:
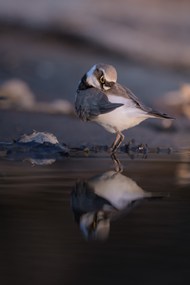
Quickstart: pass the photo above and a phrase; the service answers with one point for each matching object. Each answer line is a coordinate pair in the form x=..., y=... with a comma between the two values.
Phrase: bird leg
x=117, y=163
x=118, y=140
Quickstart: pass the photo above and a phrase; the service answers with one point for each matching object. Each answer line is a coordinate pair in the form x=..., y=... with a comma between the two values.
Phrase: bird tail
x=156, y=114
x=157, y=195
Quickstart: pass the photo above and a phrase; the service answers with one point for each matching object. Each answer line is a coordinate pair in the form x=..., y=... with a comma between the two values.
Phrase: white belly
x=121, y=118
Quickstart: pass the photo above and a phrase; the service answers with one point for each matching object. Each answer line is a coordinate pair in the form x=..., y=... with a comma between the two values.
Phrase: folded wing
x=92, y=102
x=127, y=93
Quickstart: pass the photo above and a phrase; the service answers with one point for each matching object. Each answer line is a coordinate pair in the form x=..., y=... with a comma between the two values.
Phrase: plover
x=100, y=98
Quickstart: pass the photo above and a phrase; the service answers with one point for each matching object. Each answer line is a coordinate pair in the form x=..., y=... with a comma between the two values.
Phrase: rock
x=16, y=94
x=178, y=101
x=39, y=148
x=38, y=137
x=56, y=107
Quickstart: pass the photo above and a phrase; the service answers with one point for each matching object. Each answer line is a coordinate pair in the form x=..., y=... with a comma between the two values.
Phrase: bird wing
x=93, y=102
x=128, y=94
x=125, y=92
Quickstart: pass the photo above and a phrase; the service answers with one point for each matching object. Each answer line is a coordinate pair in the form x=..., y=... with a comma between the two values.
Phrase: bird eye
x=102, y=80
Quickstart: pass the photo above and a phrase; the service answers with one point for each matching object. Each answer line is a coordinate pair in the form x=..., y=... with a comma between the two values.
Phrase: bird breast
x=122, y=118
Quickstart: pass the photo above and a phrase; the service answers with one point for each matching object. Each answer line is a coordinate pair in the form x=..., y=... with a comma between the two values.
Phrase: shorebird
x=100, y=98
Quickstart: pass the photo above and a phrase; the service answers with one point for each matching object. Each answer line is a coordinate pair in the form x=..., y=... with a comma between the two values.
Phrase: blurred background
x=47, y=45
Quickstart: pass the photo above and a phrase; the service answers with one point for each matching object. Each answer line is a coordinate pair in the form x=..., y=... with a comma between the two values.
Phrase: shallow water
x=78, y=221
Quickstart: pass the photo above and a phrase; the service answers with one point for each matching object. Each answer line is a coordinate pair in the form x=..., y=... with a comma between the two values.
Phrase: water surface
x=63, y=223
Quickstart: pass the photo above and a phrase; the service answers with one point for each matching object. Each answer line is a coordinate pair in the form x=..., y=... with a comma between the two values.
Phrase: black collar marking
x=84, y=84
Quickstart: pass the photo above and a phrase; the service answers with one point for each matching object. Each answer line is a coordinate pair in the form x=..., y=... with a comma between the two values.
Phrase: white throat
x=91, y=79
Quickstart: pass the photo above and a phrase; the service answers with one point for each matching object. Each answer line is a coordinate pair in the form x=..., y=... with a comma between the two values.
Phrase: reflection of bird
x=101, y=99
x=104, y=198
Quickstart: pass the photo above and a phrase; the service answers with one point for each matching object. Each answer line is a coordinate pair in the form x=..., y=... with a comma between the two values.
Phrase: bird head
x=101, y=76
x=95, y=225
